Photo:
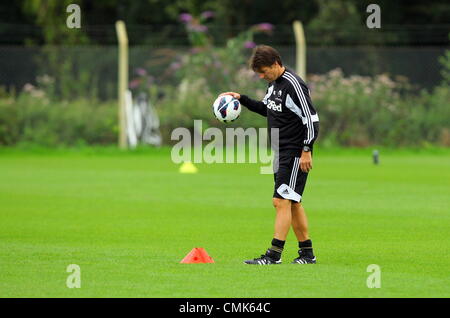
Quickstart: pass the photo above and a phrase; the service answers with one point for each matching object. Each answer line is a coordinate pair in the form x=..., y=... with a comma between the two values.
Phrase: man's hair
x=264, y=55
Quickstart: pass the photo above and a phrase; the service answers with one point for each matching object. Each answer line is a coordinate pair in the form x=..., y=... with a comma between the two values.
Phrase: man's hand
x=235, y=95
x=306, y=161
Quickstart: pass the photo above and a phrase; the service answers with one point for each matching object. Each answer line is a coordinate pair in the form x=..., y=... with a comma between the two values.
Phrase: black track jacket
x=288, y=107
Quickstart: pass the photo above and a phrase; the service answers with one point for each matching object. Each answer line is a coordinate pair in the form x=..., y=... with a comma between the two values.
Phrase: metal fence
x=92, y=70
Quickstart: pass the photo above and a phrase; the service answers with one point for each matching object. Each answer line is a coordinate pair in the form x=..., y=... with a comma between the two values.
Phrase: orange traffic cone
x=197, y=255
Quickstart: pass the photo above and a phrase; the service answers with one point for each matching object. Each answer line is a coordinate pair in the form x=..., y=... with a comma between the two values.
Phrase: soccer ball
x=226, y=108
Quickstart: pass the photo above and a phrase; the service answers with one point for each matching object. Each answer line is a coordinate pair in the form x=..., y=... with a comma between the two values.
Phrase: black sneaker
x=304, y=259
x=263, y=260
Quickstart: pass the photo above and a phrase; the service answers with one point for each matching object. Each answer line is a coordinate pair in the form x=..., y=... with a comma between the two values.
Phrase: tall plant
x=218, y=67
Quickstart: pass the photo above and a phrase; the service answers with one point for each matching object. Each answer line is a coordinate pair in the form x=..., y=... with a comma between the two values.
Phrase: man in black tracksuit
x=288, y=108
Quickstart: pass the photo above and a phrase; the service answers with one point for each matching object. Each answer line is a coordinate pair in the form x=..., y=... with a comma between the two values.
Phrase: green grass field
x=127, y=219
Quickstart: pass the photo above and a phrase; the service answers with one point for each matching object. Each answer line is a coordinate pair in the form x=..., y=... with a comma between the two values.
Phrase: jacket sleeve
x=302, y=102
x=253, y=105
x=315, y=134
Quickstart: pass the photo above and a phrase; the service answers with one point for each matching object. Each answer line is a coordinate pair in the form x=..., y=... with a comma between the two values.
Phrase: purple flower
x=28, y=87
x=175, y=66
x=195, y=50
x=197, y=28
x=202, y=28
x=207, y=14
x=185, y=17
x=249, y=44
x=264, y=27
x=140, y=71
x=134, y=83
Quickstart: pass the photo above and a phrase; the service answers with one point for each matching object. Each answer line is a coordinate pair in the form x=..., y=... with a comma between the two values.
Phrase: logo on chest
x=274, y=106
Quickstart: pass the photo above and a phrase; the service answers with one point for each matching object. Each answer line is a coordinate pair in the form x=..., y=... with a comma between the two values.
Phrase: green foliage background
x=70, y=100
